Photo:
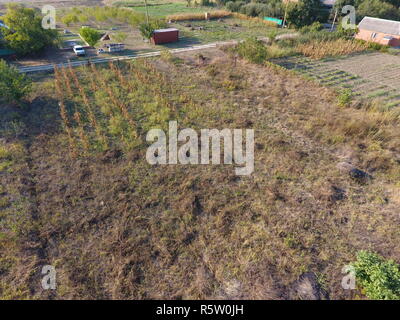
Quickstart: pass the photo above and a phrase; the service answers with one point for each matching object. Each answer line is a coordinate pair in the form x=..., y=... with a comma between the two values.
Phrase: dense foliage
x=90, y=35
x=384, y=9
x=14, y=86
x=379, y=278
x=252, y=50
x=147, y=29
x=24, y=32
x=306, y=12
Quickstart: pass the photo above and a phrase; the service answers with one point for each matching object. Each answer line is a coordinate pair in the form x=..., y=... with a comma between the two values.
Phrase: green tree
x=69, y=19
x=90, y=35
x=378, y=9
x=147, y=29
x=305, y=12
x=25, y=33
x=14, y=86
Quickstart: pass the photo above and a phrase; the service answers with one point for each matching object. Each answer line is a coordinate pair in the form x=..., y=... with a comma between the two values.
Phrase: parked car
x=79, y=51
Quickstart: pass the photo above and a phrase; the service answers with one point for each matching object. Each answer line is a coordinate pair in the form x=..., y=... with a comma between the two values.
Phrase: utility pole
x=284, y=18
x=334, y=19
x=147, y=11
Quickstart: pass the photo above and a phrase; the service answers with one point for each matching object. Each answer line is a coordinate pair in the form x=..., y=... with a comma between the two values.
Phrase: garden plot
x=368, y=75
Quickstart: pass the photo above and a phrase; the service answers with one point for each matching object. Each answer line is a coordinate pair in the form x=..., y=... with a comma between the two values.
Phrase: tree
x=14, y=86
x=147, y=29
x=69, y=19
x=378, y=9
x=25, y=33
x=91, y=36
x=306, y=12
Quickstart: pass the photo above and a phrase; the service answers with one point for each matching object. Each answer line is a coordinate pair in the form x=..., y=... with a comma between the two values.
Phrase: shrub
x=69, y=19
x=234, y=6
x=147, y=29
x=315, y=27
x=345, y=97
x=373, y=45
x=378, y=278
x=91, y=36
x=14, y=86
x=253, y=50
x=253, y=9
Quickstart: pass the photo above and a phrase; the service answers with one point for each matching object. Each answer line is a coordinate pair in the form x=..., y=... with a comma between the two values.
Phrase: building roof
x=105, y=37
x=380, y=25
x=329, y=3
x=165, y=30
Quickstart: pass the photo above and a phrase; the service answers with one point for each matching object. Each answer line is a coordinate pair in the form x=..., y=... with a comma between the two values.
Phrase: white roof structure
x=380, y=25
x=165, y=30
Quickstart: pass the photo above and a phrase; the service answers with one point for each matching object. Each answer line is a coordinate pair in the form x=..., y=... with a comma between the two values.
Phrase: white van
x=79, y=51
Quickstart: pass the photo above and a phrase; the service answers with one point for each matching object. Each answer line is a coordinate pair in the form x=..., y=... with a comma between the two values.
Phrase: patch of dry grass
x=330, y=48
x=116, y=227
x=199, y=16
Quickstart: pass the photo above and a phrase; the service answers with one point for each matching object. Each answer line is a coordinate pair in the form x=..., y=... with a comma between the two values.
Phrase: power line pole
x=147, y=11
x=334, y=19
x=284, y=18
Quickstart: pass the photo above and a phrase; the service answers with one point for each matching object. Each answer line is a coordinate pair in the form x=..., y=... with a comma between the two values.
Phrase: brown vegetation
x=331, y=48
x=116, y=227
x=199, y=16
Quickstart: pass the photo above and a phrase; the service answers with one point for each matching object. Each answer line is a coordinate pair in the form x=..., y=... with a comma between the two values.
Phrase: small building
x=105, y=37
x=161, y=36
x=385, y=32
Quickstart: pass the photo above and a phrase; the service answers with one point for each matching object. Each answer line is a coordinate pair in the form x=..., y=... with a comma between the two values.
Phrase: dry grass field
x=77, y=192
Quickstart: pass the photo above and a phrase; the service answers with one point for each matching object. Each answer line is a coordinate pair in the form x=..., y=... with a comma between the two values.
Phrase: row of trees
x=306, y=12
x=385, y=9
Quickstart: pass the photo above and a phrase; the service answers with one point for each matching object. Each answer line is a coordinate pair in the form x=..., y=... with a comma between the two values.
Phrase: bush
x=315, y=27
x=345, y=97
x=14, y=86
x=374, y=46
x=147, y=29
x=252, y=50
x=69, y=19
x=378, y=278
x=305, y=12
x=234, y=6
x=91, y=36
x=253, y=9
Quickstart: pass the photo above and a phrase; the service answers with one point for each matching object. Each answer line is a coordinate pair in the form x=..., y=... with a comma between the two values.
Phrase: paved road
x=50, y=67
